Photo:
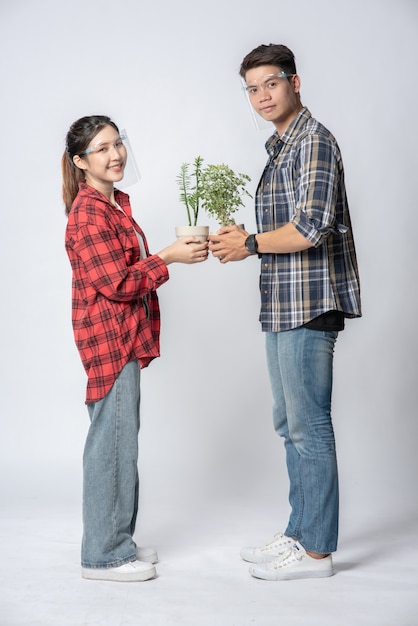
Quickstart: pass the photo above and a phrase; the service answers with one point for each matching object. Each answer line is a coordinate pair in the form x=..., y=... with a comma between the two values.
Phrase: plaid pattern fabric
x=115, y=312
x=303, y=183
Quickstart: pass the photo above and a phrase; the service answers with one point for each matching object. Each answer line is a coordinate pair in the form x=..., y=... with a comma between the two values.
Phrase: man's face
x=273, y=95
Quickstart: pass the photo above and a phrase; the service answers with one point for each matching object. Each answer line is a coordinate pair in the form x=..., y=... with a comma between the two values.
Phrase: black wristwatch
x=251, y=244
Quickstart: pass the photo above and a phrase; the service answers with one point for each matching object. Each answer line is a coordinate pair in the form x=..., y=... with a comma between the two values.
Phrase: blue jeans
x=110, y=474
x=300, y=368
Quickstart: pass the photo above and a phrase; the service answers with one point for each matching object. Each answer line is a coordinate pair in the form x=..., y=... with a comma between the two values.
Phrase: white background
x=168, y=73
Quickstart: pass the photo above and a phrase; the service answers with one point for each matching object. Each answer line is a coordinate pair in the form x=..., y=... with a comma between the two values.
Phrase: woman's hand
x=186, y=250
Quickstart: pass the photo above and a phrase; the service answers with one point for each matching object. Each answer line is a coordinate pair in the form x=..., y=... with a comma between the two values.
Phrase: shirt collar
x=120, y=196
x=273, y=143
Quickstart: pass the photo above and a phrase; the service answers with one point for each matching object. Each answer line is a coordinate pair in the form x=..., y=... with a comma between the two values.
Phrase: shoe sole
x=109, y=575
x=290, y=576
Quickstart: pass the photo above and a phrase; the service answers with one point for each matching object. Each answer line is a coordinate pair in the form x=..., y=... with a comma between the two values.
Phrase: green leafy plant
x=189, y=183
x=221, y=192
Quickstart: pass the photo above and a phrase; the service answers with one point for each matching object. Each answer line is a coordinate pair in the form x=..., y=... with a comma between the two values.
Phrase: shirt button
x=266, y=265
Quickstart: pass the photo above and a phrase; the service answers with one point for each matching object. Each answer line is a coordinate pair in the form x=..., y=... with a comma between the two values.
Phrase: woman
x=116, y=323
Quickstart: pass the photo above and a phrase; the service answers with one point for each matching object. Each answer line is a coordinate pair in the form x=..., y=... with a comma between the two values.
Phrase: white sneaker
x=149, y=555
x=128, y=572
x=294, y=564
x=279, y=545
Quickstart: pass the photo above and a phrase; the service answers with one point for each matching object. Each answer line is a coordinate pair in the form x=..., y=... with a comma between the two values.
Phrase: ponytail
x=71, y=176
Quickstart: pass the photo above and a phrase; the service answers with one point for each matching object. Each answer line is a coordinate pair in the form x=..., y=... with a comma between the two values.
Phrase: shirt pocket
x=283, y=194
x=129, y=243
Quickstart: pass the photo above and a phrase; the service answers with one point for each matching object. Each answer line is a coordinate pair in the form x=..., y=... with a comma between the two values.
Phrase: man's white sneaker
x=294, y=564
x=134, y=571
x=149, y=555
x=279, y=545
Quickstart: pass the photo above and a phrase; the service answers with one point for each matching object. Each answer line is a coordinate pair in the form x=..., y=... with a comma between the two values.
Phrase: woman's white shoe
x=134, y=571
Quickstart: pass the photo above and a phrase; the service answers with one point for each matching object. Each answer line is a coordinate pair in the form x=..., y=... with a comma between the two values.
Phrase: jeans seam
x=116, y=460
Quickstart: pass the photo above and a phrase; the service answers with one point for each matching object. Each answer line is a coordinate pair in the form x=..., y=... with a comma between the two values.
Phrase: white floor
x=201, y=580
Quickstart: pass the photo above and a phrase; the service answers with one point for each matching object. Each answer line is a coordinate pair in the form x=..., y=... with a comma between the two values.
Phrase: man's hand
x=228, y=244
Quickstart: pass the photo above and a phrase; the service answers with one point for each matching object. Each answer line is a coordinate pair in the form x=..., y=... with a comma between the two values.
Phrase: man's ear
x=79, y=162
x=296, y=83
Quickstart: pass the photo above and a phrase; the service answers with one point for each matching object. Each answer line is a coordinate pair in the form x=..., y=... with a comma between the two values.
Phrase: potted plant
x=221, y=192
x=189, y=184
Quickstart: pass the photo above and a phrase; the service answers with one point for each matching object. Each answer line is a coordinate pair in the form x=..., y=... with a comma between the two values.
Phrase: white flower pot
x=201, y=232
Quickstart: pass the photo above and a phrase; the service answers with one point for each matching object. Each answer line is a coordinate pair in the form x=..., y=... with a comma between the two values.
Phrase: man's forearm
x=283, y=240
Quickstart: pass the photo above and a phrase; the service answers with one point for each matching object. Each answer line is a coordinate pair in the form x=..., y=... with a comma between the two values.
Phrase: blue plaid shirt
x=303, y=183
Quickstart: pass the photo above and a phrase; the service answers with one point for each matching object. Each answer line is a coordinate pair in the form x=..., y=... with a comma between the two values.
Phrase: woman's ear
x=79, y=162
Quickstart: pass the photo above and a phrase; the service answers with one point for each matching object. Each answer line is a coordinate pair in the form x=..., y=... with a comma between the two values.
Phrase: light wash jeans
x=110, y=474
x=300, y=367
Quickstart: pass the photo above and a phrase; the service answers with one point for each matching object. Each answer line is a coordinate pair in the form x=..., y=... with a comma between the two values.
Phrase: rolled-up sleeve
x=317, y=176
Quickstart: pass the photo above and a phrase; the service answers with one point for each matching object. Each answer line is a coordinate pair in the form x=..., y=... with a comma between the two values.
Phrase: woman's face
x=104, y=160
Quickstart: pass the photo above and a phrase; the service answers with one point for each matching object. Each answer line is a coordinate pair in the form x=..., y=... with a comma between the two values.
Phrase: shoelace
x=290, y=556
x=278, y=539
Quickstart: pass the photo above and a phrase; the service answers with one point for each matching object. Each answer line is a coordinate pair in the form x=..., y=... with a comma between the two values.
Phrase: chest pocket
x=129, y=242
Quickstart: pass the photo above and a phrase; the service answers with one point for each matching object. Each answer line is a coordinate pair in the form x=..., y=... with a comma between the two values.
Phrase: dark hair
x=77, y=140
x=271, y=54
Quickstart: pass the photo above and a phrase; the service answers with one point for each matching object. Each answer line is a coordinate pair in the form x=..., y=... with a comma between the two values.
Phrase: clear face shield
x=131, y=174
x=267, y=83
x=257, y=121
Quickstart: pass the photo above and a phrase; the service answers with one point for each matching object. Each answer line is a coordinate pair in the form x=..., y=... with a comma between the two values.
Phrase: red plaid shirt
x=115, y=310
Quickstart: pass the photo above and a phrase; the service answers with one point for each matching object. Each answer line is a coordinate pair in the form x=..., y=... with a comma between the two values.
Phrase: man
x=309, y=284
